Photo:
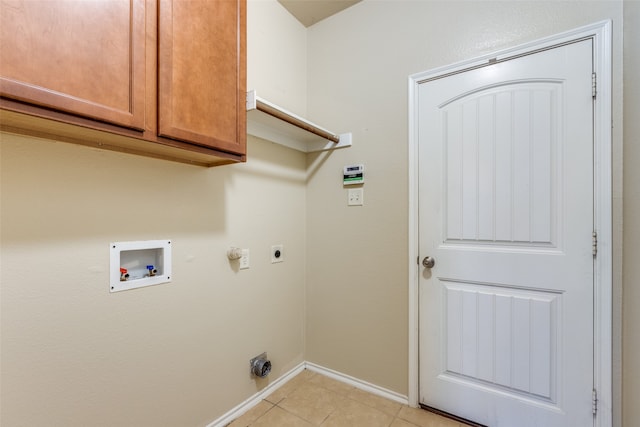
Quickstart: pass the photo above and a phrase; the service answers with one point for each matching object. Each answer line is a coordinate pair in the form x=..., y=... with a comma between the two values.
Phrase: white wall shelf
x=273, y=123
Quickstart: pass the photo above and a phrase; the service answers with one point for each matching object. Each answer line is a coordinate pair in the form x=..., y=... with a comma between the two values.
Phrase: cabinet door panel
x=82, y=57
x=202, y=66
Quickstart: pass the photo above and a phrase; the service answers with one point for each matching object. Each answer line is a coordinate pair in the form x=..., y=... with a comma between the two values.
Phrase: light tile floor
x=311, y=399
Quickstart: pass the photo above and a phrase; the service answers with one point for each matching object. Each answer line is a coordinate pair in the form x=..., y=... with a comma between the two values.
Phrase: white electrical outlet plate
x=277, y=253
x=244, y=260
x=355, y=197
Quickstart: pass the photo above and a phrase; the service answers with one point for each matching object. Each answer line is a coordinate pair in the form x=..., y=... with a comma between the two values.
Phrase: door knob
x=428, y=262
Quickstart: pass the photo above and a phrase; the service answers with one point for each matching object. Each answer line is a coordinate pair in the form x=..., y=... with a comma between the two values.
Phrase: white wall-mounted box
x=138, y=264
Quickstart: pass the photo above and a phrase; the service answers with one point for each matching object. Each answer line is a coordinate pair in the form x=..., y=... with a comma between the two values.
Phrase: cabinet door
x=202, y=66
x=81, y=57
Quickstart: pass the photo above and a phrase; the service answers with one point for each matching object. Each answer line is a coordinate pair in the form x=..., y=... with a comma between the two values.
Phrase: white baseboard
x=347, y=379
x=357, y=383
x=256, y=398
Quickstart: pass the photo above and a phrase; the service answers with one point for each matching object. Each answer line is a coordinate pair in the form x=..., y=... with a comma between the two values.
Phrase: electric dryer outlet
x=277, y=253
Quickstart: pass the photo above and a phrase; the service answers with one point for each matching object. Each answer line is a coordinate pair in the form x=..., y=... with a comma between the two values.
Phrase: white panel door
x=506, y=211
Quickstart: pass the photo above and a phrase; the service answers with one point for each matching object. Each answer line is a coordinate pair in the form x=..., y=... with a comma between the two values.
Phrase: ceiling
x=308, y=12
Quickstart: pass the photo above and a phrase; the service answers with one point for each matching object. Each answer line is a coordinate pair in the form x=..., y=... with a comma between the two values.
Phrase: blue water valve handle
x=152, y=270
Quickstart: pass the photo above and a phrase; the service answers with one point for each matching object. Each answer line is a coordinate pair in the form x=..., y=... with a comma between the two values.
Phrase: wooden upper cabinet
x=202, y=72
x=86, y=58
x=165, y=78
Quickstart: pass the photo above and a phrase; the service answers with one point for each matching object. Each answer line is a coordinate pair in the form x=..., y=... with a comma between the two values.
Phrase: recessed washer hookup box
x=138, y=264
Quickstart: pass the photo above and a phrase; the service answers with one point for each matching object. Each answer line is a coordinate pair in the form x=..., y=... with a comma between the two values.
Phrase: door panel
x=482, y=348
x=499, y=188
x=202, y=80
x=81, y=57
x=506, y=209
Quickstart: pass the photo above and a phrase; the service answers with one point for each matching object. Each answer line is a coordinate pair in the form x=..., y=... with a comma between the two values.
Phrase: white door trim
x=600, y=32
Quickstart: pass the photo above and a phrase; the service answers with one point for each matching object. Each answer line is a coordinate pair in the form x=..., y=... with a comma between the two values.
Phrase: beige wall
x=176, y=354
x=631, y=300
x=277, y=55
x=72, y=354
x=359, y=63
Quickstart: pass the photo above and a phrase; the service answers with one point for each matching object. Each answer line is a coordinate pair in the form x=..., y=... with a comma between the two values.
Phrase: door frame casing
x=600, y=33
